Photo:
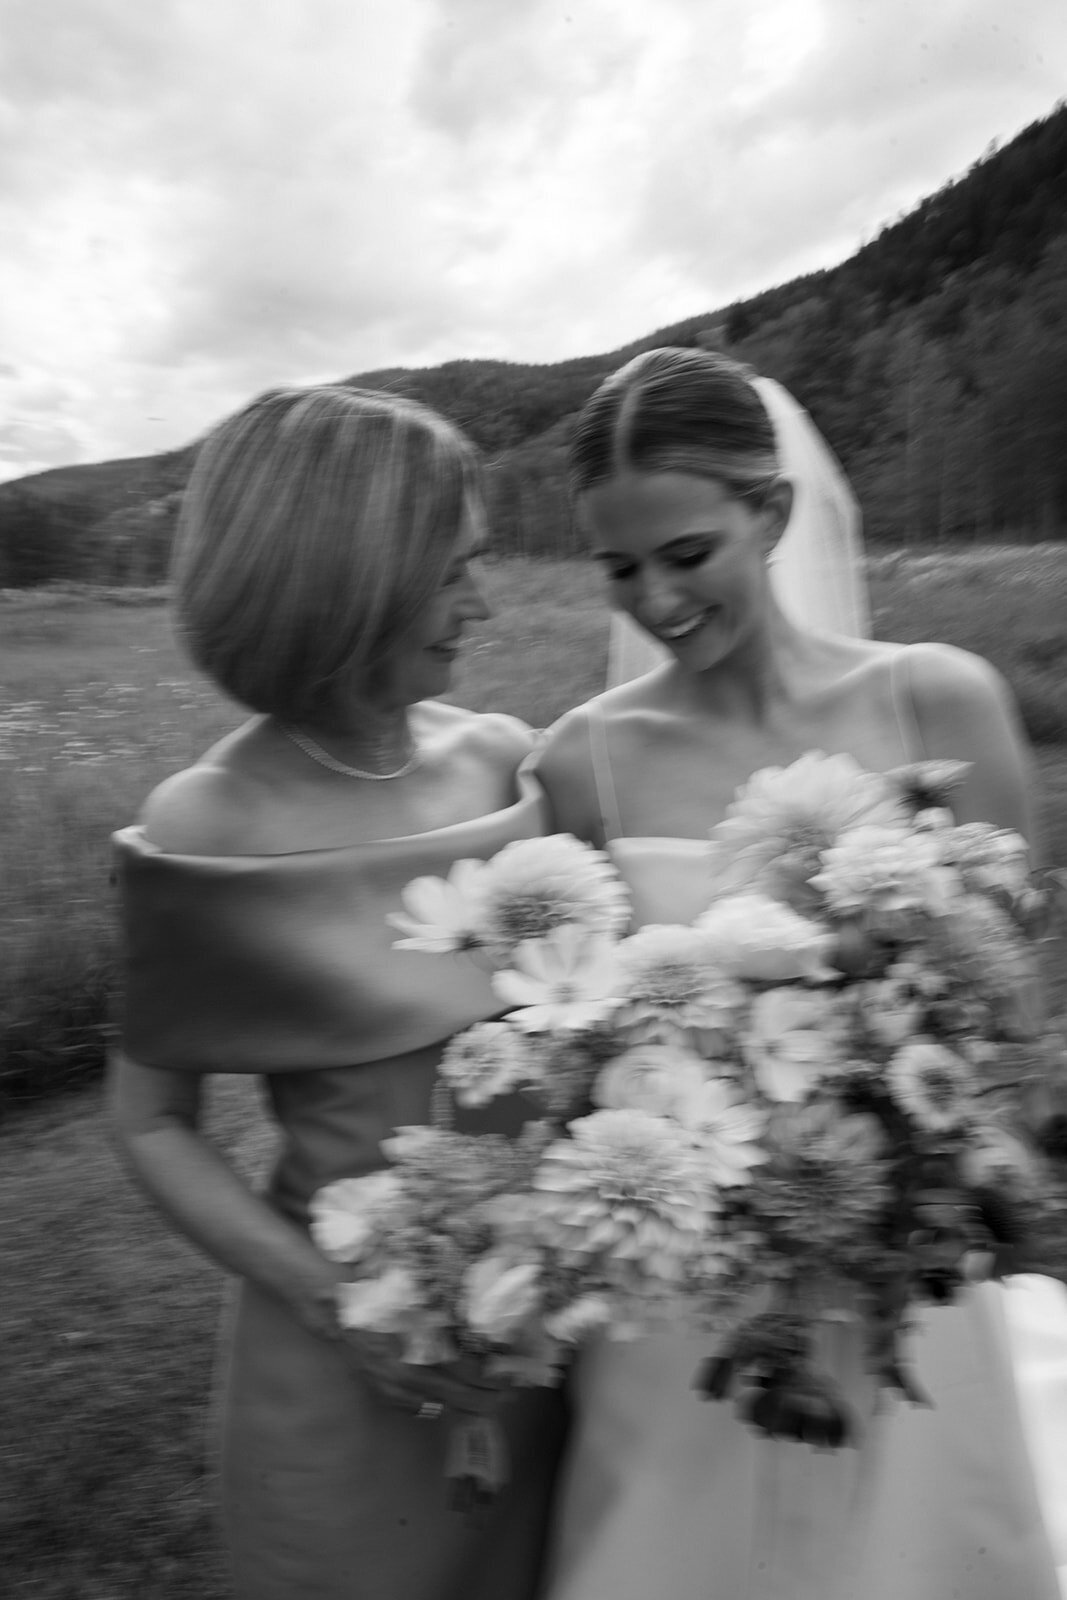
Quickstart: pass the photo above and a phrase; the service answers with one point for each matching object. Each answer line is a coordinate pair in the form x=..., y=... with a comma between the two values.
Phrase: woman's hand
x=458, y=1385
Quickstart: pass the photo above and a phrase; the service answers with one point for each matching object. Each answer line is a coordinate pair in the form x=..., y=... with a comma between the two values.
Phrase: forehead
x=642, y=510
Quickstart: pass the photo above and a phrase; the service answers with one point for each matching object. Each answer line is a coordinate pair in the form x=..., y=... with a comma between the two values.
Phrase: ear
x=776, y=510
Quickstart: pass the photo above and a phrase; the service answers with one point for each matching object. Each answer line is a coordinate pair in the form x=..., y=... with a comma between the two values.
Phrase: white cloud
x=201, y=199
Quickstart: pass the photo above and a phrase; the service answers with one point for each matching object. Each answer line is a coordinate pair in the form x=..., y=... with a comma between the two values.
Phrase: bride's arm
x=564, y=769
x=966, y=712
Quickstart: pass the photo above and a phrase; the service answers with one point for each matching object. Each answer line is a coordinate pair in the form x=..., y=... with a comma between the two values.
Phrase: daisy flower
x=442, y=914
x=569, y=980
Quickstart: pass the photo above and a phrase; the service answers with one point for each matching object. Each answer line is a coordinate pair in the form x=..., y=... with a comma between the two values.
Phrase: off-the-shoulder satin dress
x=284, y=965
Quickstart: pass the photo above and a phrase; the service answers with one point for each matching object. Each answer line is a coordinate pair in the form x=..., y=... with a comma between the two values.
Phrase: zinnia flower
x=792, y=1042
x=442, y=914
x=567, y=980
x=627, y=1189
x=932, y=1083
x=671, y=979
x=533, y=886
x=485, y=1061
x=728, y=1131
x=759, y=939
x=791, y=814
x=657, y=1078
x=825, y=1185
x=891, y=1008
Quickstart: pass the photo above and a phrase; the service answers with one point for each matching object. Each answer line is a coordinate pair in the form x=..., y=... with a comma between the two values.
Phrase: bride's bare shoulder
x=568, y=760
x=951, y=691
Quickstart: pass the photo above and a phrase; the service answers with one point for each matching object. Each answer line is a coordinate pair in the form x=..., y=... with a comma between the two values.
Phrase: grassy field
x=108, y=1321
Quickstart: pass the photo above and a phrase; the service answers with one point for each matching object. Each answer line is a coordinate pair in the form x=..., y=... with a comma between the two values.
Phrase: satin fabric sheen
x=284, y=965
x=668, y=1496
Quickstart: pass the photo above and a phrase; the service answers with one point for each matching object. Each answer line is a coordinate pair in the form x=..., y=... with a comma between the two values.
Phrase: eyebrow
x=682, y=538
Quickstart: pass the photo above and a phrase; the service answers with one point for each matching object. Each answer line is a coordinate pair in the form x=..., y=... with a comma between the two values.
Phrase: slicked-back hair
x=676, y=410
x=316, y=525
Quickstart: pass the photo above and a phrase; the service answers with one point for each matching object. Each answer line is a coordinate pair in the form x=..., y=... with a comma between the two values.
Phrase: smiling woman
x=676, y=476
x=323, y=579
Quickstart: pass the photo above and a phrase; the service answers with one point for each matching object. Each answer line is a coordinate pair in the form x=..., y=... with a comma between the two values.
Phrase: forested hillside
x=934, y=360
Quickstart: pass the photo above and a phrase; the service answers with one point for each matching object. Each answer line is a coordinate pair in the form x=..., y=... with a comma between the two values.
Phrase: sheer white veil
x=817, y=568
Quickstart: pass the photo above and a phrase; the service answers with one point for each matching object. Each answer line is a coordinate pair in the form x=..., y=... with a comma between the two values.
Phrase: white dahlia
x=569, y=980
x=791, y=814
x=534, y=886
x=753, y=937
x=626, y=1190
x=671, y=979
x=888, y=875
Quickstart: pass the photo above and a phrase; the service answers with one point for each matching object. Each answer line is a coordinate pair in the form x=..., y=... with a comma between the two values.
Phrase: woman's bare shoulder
x=943, y=678
x=494, y=734
x=209, y=808
x=203, y=811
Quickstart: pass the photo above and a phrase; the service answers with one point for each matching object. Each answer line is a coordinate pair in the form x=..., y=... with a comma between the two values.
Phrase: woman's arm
x=966, y=712
x=156, y=1114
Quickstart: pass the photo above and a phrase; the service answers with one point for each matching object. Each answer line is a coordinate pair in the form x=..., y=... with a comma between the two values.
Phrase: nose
x=471, y=604
x=657, y=594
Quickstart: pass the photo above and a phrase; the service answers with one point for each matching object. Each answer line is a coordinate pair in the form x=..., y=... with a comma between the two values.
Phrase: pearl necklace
x=325, y=759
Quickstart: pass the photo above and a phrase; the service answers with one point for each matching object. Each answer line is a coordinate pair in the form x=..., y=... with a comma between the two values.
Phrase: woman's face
x=423, y=661
x=685, y=557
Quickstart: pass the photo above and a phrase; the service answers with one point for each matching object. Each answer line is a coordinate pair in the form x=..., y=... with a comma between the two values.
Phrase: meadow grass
x=108, y=1320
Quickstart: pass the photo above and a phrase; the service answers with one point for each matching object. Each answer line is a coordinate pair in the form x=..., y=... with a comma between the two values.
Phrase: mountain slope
x=934, y=359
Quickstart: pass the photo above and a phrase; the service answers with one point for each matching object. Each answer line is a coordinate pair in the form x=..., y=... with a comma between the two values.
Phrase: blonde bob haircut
x=316, y=525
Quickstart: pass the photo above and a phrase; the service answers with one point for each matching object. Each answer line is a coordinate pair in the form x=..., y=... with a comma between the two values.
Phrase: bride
x=676, y=469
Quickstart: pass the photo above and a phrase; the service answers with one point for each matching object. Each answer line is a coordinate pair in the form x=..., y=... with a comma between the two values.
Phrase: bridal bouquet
x=802, y=1109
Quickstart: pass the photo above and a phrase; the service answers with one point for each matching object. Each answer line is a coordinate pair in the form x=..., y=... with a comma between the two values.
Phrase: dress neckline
x=528, y=793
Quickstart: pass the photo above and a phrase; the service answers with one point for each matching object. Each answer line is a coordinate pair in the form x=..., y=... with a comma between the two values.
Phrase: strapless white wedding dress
x=666, y=1497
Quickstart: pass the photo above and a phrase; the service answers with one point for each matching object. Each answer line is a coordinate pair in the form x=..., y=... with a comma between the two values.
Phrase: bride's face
x=685, y=557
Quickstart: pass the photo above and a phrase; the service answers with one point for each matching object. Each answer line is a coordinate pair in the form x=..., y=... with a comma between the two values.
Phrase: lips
x=683, y=629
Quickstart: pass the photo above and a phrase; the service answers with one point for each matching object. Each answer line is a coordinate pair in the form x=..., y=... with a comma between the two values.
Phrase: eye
x=691, y=557
x=618, y=571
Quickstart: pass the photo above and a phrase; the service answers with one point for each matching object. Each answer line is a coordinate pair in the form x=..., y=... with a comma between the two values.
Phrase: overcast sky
x=200, y=198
